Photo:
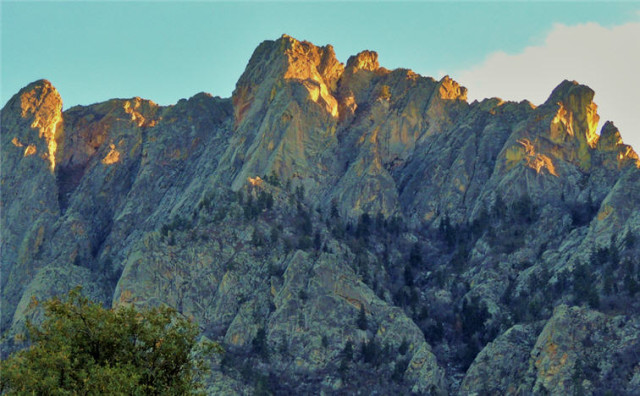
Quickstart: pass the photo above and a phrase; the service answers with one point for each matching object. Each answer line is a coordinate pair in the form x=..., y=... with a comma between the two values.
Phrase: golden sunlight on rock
x=561, y=124
x=53, y=148
x=451, y=90
x=348, y=106
x=16, y=142
x=610, y=141
x=592, y=124
x=627, y=154
x=575, y=123
x=365, y=60
x=30, y=150
x=316, y=68
x=577, y=115
x=319, y=94
x=419, y=245
x=44, y=104
x=112, y=157
x=540, y=162
x=255, y=181
x=133, y=111
x=526, y=152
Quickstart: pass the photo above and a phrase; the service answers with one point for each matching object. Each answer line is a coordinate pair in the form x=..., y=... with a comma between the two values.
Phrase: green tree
x=474, y=314
x=362, y=229
x=260, y=345
x=362, y=318
x=404, y=347
x=583, y=285
x=334, y=209
x=83, y=348
x=408, y=276
x=415, y=256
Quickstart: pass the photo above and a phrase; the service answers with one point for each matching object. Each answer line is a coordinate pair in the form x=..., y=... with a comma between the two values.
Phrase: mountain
x=339, y=228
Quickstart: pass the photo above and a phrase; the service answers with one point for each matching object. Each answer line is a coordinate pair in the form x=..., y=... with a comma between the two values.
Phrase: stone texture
x=31, y=125
x=503, y=364
x=147, y=205
x=580, y=349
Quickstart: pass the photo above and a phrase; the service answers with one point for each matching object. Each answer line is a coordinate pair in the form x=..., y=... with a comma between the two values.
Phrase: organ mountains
x=339, y=228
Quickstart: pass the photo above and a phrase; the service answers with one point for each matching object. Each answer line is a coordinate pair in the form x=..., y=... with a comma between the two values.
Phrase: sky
x=164, y=51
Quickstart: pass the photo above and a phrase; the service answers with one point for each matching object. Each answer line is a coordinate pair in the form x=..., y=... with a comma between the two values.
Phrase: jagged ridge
x=127, y=198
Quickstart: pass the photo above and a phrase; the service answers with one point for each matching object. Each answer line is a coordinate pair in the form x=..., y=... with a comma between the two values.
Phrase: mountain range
x=339, y=229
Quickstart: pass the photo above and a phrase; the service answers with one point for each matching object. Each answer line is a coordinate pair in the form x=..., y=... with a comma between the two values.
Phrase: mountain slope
x=339, y=227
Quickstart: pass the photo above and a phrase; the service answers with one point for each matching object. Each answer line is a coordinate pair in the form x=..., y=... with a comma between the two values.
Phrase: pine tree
x=362, y=318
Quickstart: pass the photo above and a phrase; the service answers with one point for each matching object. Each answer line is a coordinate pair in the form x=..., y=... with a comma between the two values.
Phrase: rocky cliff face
x=339, y=228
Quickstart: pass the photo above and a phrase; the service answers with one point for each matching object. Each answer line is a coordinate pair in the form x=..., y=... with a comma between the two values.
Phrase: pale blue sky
x=165, y=51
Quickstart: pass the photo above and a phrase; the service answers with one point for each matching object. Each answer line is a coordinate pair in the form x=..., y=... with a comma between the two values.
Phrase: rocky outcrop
x=339, y=229
x=31, y=131
x=577, y=351
x=285, y=111
x=580, y=350
x=503, y=364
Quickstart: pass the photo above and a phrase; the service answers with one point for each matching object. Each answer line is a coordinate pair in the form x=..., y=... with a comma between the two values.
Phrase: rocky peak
x=449, y=89
x=614, y=151
x=356, y=80
x=37, y=97
x=40, y=105
x=275, y=63
x=141, y=111
x=478, y=217
x=365, y=60
x=90, y=127
x=329, y=67
x=609, y=137
x=32, y=132
x=304, y=60
x=576, y=113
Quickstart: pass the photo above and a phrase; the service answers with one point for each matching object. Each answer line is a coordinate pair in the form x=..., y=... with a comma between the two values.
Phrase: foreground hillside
x=339, y=228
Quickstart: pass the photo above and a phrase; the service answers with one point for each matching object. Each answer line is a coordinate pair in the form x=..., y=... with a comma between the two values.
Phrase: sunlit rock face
x=274, y=62
x=562, y=130
x=42, y=103
x=611, y=149
x=31, y=133
x=108, y=133
x=285, y=111
x=39, y=104
x=326, y=205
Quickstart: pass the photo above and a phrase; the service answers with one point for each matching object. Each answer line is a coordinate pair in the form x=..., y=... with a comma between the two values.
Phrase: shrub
x=83, y=348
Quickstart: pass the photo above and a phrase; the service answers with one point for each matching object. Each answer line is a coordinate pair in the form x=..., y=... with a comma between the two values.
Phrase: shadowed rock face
x=454, y=246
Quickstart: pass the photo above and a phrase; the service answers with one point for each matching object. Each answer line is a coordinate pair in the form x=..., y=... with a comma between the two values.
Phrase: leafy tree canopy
x=83, y=348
